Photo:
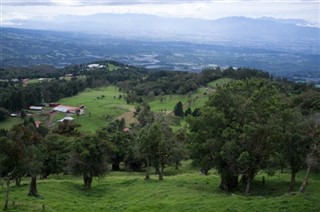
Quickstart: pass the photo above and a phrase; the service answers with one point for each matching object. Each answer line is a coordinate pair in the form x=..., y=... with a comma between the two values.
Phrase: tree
x=294, y=144
x=56, y=149
x=29, y=155
x=3, y=114
x=158, y=145
x=148, y=140
x=114, y=134
x=235, y=131
x=144, y=115
x=88, y=158
x=178, y=109
x=188, y=112
x=313, y=158
x=7, y=168
x=67, y=128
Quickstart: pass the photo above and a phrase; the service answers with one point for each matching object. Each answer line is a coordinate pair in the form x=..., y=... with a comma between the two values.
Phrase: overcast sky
x=207, y=9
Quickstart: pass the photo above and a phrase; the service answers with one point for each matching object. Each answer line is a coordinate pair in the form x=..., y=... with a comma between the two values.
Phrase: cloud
x=135, y=2
x=85, y=2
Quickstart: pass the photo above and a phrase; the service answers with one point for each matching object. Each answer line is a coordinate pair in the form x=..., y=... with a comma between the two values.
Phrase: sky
x=308, y=10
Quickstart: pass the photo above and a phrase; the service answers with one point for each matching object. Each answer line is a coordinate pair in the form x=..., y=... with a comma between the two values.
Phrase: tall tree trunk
x=292, y=181
x=229, y=183
x=204, y=171
x=7, y=194
x=305, y=181
x=33, y=186
x=44, y=176
x=243, y=180
x=148, y=170
x=87, y=180
x=115, y=167
x=161, y=173
x=18, y=181
x=248, y=185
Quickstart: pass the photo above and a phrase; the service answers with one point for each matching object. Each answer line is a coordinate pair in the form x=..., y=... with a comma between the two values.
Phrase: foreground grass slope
x=182, y=190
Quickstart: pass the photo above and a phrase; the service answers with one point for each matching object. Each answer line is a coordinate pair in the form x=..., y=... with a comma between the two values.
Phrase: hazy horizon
x=37, y=10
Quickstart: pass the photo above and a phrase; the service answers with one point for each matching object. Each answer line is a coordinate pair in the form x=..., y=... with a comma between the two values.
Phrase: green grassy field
x=100, y=107
x=10, y=122
x=193, y=101
x=112, y=67
x=181, y=190
x=219, y=82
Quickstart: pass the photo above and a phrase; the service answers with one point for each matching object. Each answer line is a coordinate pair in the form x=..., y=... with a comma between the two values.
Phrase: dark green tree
x=56, y=151
x=88, y=157
x=4, y=114
x=188, y=112
x=29, y=153
x=178, y=109
x=148, y=140
x=235, y=131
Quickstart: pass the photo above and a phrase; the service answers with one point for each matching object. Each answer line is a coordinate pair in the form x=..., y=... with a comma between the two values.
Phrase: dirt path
x=49, y=121
x=128, y=116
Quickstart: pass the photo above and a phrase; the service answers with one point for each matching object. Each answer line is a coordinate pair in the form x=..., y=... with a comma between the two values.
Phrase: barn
x=68, y=109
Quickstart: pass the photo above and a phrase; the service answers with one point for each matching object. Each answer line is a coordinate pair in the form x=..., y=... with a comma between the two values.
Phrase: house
x=25, y=81
x=68, y=109
x=35, y=108
x=37, y=123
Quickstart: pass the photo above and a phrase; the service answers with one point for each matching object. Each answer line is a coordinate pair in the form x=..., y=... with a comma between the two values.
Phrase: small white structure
x=14, y=115
x=68, y=118
x=35, y=108
x=94, y=65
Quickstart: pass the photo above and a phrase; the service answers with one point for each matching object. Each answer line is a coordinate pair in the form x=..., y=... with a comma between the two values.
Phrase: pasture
x=194, y=100
x=182, y=190
x=219, y=82
x=10, y=122
x=101, y=106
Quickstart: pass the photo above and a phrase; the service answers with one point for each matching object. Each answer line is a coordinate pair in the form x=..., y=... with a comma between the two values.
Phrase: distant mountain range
x=285, y=33
x=282, y=46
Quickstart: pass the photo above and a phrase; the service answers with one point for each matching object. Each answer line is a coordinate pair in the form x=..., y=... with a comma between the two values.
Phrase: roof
x=63, y=108
x=37, y=123
x=35, y=108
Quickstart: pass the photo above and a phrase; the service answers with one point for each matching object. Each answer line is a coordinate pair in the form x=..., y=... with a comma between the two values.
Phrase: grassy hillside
x=101, y=106
x=193, y=101
x=219, y=82
x=182, y=190
x=9, y=122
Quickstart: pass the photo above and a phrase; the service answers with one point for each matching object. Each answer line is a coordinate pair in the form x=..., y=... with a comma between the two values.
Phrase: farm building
x=54, y=104
x=35, y=108
x=68, y=109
